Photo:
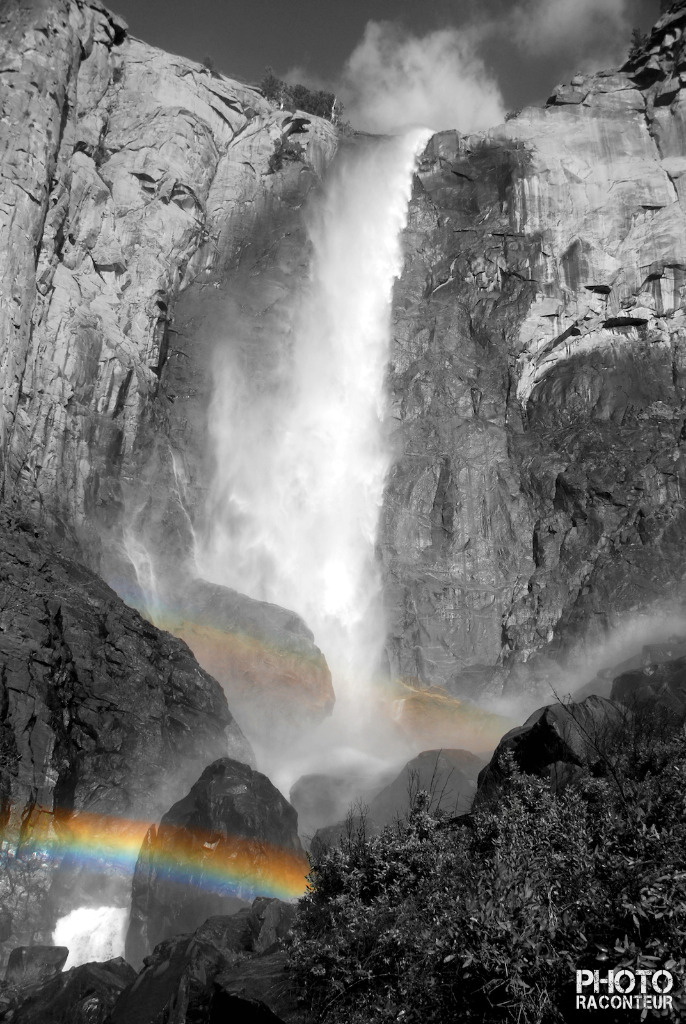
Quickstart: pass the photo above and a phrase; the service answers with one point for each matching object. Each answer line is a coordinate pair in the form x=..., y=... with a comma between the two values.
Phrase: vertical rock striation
x=128, y=174
x=130, y=177
x=538, y=380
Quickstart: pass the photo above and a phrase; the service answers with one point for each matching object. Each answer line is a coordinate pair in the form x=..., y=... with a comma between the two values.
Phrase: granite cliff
x=128, y=176
x=537, y=370
x=538, y=388
x=538, y=381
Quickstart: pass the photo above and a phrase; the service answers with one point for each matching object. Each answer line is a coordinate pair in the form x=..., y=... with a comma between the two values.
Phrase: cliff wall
x=537, y=371
x=538, y=381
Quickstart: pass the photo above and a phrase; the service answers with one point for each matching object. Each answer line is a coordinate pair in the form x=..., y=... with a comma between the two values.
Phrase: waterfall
x=298, y=433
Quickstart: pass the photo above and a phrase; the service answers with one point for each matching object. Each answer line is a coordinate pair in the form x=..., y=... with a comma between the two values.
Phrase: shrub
x=486, y=918
x=299, y=97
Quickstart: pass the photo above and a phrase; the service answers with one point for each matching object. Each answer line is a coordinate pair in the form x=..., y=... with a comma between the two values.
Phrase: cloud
x=393, y=79
x=592, y=32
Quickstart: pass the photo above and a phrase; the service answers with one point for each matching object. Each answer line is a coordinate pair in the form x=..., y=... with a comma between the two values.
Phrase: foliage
x=638, y=42
x=486, y=918
x=299, y=97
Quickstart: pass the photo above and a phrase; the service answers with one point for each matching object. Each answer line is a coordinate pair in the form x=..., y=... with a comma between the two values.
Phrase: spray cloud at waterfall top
x=297, y=428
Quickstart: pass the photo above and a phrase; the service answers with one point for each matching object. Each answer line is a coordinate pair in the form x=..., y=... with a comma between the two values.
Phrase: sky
x=443, y=63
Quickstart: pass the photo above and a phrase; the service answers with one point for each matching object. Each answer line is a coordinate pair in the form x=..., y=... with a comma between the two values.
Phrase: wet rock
x=84, y=995
x=262, y=980
x=183, y=975
x=554, y=741
x=232, y=836
x=104, y=719
x=33, y=965
x=433, y=717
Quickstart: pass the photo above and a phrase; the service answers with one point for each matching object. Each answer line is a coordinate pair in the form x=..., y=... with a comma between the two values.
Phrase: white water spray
x=92, y=933
x=298, y=431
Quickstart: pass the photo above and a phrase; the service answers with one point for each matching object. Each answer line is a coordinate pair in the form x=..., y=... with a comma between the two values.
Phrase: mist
x=300, y=448
x=586, y=34
x=394, y=78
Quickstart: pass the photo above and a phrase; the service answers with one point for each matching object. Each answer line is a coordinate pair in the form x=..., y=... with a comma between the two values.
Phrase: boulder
x=106, y=721
x=275, y=677
x=83, y=995
x=556, y=736
x=264, y=981
x=233, y=836
x=33, y=965
x=197, y=977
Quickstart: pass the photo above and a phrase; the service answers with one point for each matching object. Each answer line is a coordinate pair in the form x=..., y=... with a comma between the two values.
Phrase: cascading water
x=300, y=446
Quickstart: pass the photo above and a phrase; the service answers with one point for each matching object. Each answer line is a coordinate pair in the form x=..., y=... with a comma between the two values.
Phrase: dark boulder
x=33, y=965
x=233, y=835
x=552, y=738
x=197, y=977
x=104, y=719
x=84, y=995
x=262, y=980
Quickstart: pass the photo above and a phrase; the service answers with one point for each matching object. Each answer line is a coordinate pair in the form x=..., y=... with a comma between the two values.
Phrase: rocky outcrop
x=538, y=380
x=32, y=965
x=232, y=836
x=555, y=742
x=448, y=777
x=105, y=721
x=84, y=995
x=193, y=976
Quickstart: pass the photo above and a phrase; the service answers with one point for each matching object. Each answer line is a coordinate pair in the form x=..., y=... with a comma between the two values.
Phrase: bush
x=486, y=918
x=299, y=97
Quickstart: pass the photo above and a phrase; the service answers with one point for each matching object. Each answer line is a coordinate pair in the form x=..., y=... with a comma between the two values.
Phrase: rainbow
x=111, y=845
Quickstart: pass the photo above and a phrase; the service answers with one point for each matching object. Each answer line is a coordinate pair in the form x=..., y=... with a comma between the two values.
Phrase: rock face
x=661, y=686
x=84, y=995
x=192, y=976
x=129, y=177
x=125, y=171
x=538, y=380
x=153, y=208
x=232, y=835
x=104, y=719
x=276, y=679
